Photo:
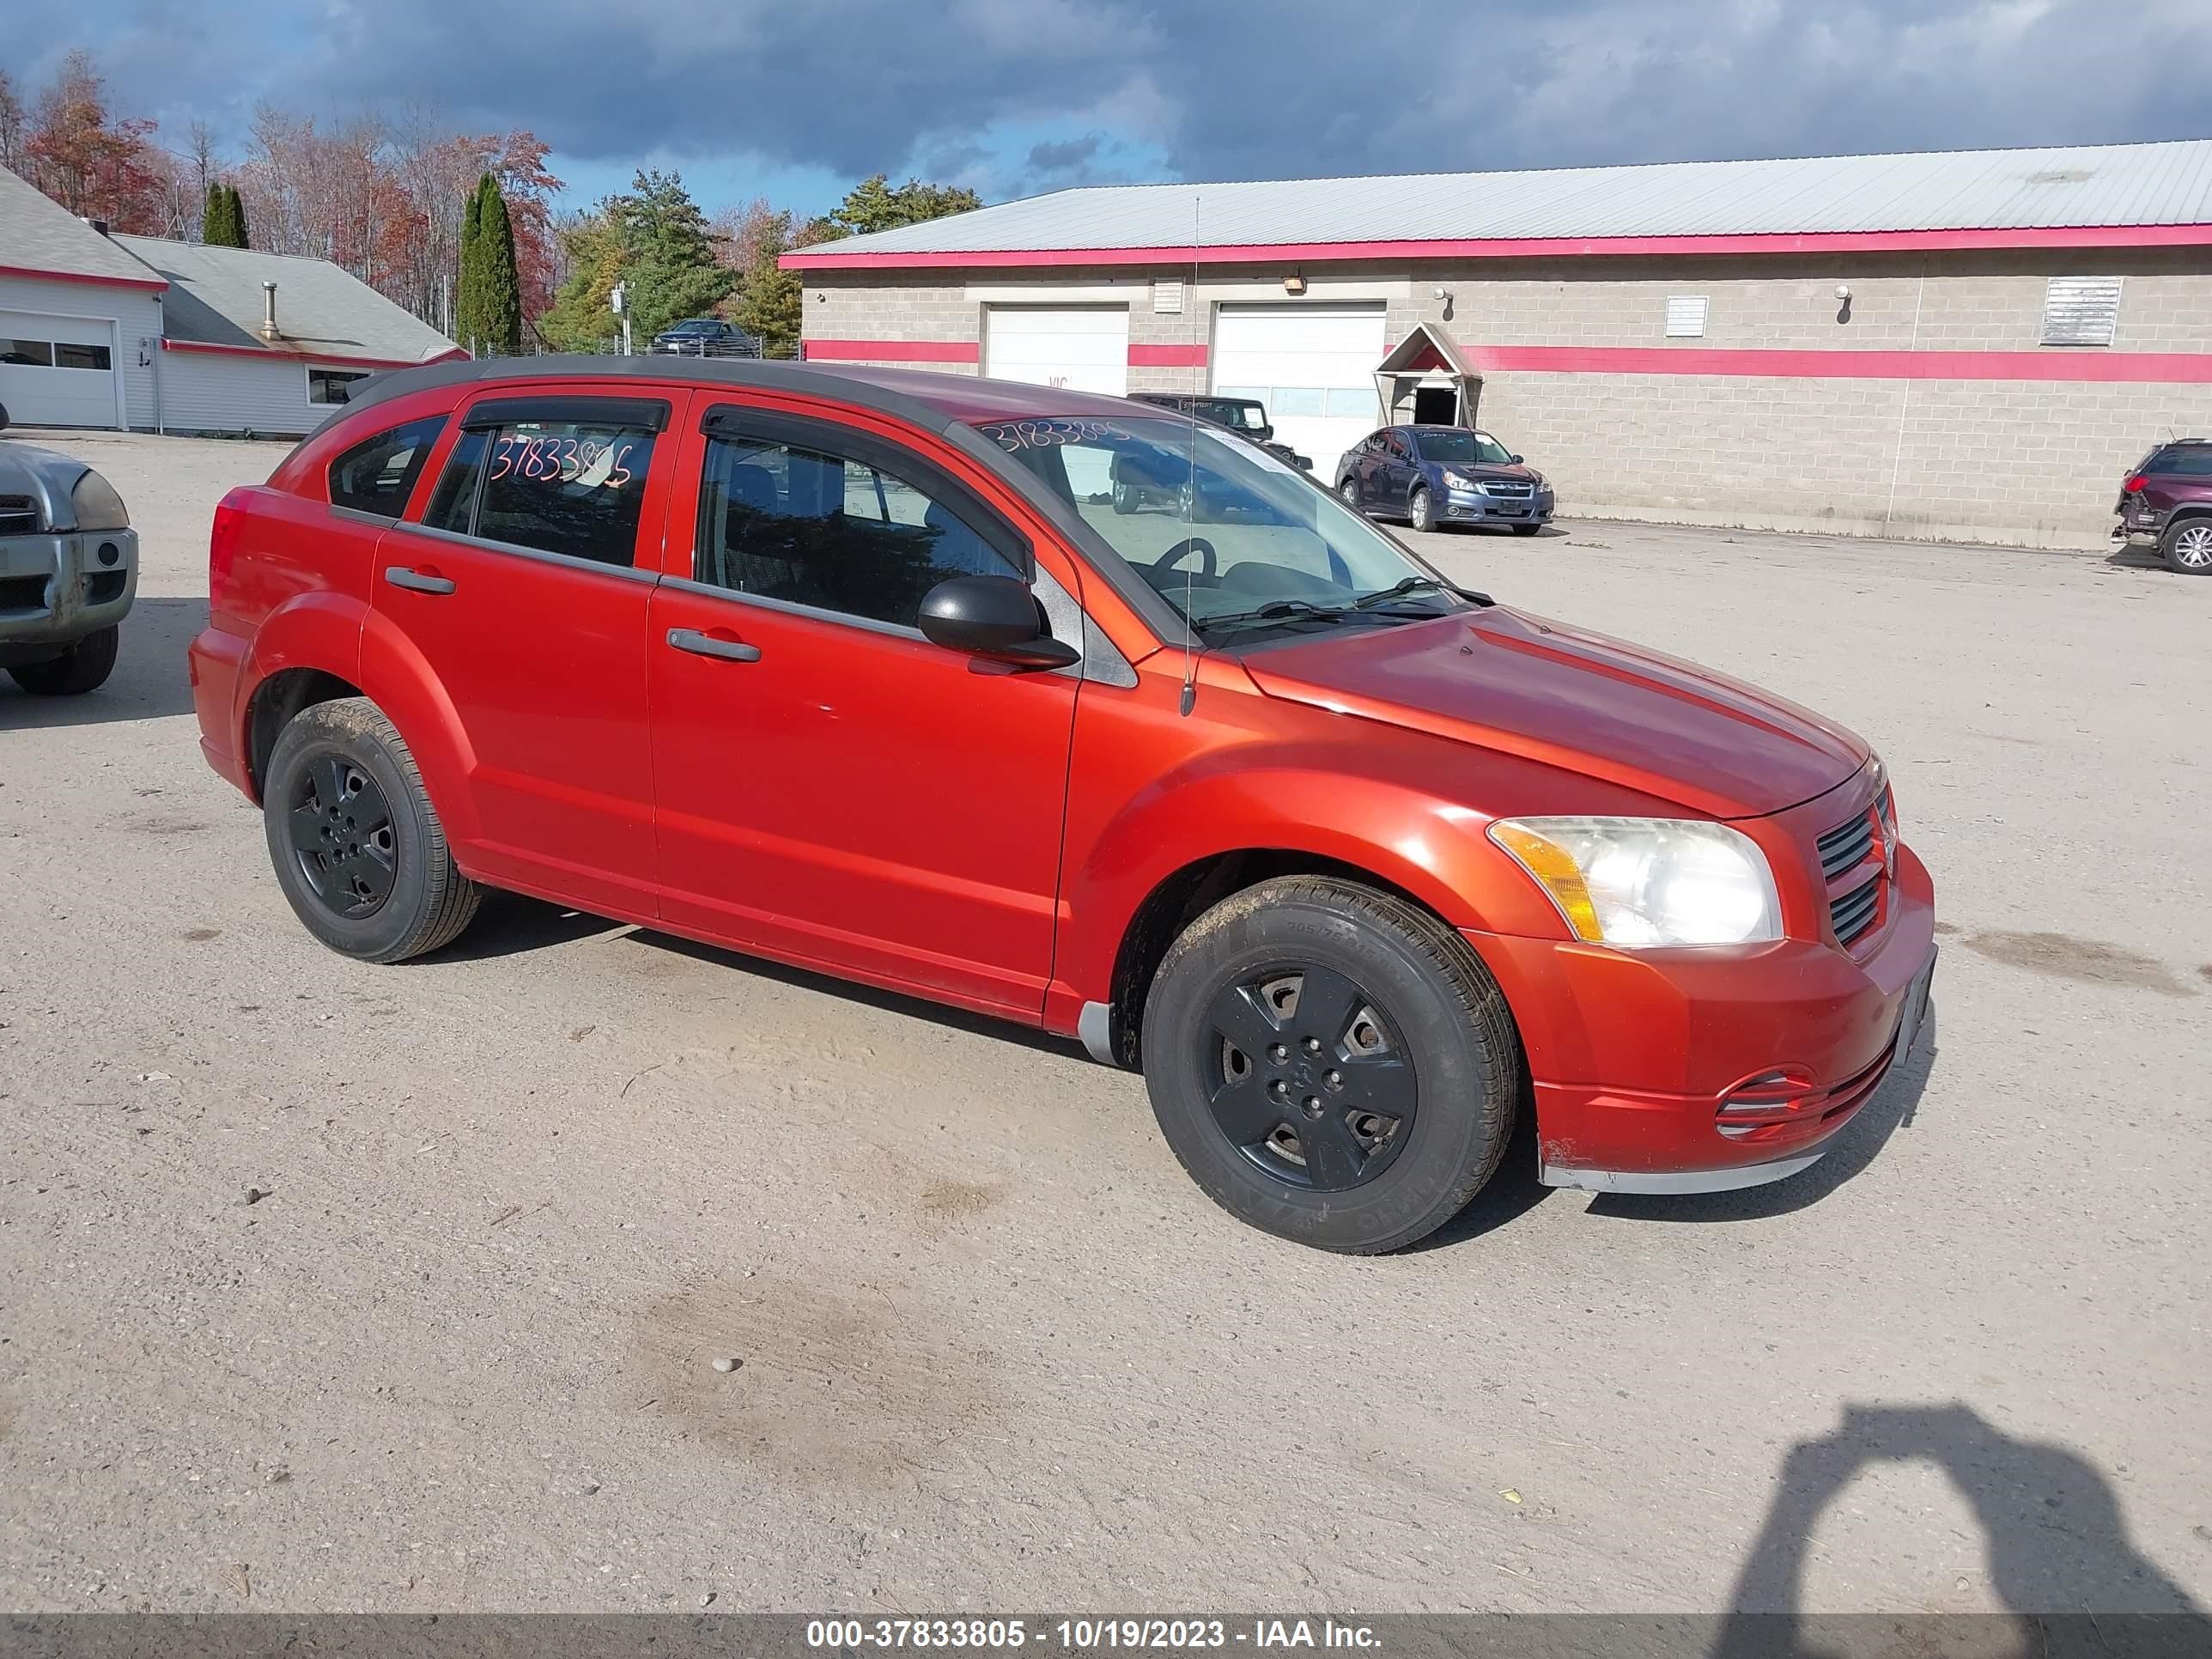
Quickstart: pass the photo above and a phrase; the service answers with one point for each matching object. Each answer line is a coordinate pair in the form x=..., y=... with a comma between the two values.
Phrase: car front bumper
x=1474, y=506
x=56, y=589
x=1634, y=1054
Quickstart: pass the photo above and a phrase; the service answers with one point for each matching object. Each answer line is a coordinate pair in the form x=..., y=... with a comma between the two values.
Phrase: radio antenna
x=1189, y=492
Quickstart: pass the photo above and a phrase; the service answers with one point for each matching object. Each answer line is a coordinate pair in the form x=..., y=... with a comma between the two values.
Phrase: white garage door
x=1312, y=365
x=56, y=371
x=1083, y=348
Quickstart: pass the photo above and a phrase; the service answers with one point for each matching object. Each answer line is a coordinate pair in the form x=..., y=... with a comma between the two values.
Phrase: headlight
x=1634, y=881
x=98, y=507
x=1454, y=481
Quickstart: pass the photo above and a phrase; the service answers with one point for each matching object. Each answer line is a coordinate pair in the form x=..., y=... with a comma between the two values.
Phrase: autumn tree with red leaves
x=96, y=168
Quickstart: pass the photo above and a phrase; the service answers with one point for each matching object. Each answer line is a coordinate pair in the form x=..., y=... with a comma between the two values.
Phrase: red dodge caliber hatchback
x=862, y=669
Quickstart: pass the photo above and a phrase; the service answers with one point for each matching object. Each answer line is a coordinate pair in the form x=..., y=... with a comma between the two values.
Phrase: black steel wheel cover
x=342, y=836
x=1307, y=1076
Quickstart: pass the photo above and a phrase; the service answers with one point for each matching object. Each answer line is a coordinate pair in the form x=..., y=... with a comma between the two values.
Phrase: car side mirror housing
x=994, y=616
x=1517, y=460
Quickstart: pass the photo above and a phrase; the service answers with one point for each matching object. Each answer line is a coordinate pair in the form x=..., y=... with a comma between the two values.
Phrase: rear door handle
x=706, y=645
x=400, y=576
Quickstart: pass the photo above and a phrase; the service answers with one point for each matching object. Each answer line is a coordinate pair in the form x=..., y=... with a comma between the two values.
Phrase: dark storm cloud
x=1290, y=88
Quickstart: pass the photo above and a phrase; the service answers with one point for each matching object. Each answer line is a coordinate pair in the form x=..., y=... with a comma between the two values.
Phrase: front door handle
x=706, y=645
x=400, y=576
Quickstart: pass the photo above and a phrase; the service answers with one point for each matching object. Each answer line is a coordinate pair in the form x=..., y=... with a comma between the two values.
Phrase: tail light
x=223, y=542
x=2134, y=484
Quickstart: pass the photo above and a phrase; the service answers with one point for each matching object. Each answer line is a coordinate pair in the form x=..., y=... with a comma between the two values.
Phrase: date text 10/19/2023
x=1086, y=1634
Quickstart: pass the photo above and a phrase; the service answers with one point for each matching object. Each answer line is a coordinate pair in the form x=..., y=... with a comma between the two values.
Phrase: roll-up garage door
x=1083, y=348
x=56, y=371
x=1312, y=365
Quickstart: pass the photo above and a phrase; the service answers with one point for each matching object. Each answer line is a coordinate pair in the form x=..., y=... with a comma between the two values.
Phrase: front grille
x=19, y=516
x=1518, y=489
x=1855, y=912
x=1846, y=845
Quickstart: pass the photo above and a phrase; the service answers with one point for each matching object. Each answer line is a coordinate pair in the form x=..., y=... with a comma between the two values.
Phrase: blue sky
x=1011, y=97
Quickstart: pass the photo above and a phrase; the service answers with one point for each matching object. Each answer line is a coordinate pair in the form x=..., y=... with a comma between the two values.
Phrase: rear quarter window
x=2189, y=460
x=378, y=474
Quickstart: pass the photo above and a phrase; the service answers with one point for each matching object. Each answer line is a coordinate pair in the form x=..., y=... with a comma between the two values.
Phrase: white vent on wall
x=1167, y=296
x=2081, y=310
x=1686, y=316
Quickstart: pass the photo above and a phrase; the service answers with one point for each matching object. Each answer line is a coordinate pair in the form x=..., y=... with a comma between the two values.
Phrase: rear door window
x=378, y=474
x=555, y=475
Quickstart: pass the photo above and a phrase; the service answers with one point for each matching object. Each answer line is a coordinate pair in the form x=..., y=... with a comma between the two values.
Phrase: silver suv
x=68, y=569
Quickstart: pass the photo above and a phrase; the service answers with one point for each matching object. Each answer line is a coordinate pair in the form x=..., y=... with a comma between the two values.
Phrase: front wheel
x=1421, y=510
x=1349, y=490
x=1125, y=498
x=1331, y=1064
x=358, y=848
x=83, y=668
x=2188, y=547
x=1526, y=529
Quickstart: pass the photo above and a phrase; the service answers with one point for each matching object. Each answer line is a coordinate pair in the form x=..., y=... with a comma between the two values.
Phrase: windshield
x=696, y=325
x=1242, y=545
x=1453, y=443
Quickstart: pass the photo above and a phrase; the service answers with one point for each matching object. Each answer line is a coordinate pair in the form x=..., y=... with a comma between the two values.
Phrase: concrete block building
x=1971, y=345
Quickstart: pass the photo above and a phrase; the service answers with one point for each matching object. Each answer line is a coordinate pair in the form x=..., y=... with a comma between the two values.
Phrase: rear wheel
x=83, y=668
x=1421, y=509
x=2188, y=546
x=1331, y=1064
x=357, y=847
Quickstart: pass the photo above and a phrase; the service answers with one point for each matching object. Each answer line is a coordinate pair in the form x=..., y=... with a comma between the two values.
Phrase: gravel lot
x=996, y=1350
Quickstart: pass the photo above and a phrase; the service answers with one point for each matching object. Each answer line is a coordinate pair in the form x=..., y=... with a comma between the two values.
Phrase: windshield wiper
x=1276, y=610
x=1415, y=584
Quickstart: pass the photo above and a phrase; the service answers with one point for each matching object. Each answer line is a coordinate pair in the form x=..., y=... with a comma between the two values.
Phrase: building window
x=54, y=354
x=1686, y=316
x=328, y=386
x=2081, y=310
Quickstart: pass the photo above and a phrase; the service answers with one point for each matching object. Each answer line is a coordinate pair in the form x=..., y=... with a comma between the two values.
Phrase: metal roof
x=39, y=236
x=322, y=310
x=2081, y=187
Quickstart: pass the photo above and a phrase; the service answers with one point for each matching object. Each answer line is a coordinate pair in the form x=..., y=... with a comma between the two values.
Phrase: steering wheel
x=1174, y=555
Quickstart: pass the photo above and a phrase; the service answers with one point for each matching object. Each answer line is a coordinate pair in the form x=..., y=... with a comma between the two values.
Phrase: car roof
x=928, y=398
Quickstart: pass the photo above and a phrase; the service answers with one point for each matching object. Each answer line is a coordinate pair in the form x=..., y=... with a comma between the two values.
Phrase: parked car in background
x=2166, y=503
x=1433, y=476
x=706, y=336
x=1245, y=417
x=68, y=570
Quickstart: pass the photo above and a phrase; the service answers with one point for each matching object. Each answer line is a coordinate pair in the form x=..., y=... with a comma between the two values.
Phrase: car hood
x=1480, y=471
x=46, y=475
x=1554, y=693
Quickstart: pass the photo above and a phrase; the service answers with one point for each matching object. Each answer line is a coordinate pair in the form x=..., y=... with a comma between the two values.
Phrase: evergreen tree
x=223, y=217
x=872, y=205
x=499, y=287
x=670, y=271
x=468, y=306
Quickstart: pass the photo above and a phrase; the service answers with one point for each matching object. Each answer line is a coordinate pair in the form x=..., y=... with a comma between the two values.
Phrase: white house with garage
x=112, y=331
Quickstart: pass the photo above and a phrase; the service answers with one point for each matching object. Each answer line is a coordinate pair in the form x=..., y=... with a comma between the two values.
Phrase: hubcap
x=2193, y=546
x=342, y=837
x=1308, y=1078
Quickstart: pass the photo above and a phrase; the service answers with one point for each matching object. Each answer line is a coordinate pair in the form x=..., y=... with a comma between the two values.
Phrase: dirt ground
x=993, y=1348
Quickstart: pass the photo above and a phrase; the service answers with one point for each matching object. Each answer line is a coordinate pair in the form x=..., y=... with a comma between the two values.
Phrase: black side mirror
x=994, y=616
x=1517, y=460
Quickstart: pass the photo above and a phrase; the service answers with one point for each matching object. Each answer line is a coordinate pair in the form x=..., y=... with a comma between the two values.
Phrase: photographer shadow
x=2060, y=1558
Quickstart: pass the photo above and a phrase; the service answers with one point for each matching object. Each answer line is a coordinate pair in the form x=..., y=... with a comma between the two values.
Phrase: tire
x=1125, y=498
x=1349, y=490
x=83, y=668
x=2187, y=546
x=1408, y=1023
x=1421, y=509
x=1526, y=529
x=394, y=892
